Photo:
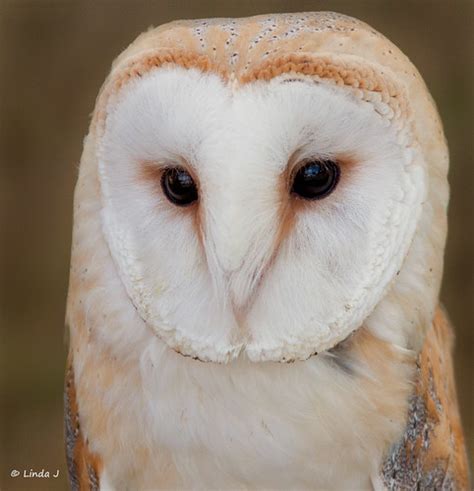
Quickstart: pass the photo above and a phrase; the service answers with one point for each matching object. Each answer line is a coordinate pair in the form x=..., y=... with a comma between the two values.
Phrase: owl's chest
x=238, y=427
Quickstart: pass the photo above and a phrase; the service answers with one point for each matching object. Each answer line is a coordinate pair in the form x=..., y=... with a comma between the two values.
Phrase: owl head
x=263, y=187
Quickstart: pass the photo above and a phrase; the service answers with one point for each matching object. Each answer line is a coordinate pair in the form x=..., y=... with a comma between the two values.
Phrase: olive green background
x=54, y=55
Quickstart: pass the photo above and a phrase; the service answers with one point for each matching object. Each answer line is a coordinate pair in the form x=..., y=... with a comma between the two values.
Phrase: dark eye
x=178, y=186
x=315, y=179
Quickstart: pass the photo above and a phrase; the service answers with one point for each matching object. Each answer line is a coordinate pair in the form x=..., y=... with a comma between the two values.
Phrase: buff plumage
x=248, y=280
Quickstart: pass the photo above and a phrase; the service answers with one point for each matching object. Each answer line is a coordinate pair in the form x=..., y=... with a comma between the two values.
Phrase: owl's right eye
x=179, y=186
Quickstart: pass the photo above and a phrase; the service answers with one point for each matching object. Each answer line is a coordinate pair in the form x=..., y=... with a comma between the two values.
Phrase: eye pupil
x=179, y=186
x=316, y=179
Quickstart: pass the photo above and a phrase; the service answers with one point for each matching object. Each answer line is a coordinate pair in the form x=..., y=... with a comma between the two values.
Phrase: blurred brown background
x=54, y=56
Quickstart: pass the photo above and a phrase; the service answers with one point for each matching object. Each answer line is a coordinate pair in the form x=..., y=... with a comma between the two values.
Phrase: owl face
x=264, y=219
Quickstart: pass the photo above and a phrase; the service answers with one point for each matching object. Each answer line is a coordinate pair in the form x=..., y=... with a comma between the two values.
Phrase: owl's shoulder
x=83, y=466
x=431, y=453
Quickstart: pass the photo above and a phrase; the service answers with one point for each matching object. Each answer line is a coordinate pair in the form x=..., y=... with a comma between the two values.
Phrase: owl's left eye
x=315, y=179
x=179, y=186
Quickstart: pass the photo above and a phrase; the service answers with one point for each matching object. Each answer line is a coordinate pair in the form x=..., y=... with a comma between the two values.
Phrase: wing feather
x=83, y=466
x=432, y=452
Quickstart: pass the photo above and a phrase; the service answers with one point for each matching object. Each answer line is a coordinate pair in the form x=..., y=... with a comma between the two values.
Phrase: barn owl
x=259, y=225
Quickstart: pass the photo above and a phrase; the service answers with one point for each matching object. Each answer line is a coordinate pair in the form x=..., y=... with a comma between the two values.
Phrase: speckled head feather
x=326, y=45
